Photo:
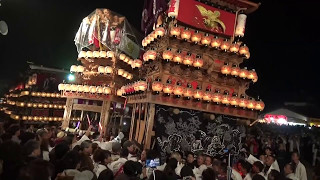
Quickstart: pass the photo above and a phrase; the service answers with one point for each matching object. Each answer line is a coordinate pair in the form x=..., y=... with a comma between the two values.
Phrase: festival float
x=194, y=86
x=108, y=59
x=37, y=99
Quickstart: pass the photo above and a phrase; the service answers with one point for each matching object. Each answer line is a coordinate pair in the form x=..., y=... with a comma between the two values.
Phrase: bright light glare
x=124, y=123
x=71, y=77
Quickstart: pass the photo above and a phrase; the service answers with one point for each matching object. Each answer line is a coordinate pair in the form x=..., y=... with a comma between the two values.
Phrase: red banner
x=206, y=17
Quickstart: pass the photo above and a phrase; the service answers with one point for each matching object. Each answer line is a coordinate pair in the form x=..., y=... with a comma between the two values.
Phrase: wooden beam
x=132, y=121
x=67, y=113
x=85, y=107
x=105, y=113
x=150, y=121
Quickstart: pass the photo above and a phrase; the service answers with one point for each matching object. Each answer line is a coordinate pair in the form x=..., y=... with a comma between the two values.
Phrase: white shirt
x=248, y=177
x=292, y=176
x=115, y=166
x=235, y=175
x=98, y=168
x=301, y=172
x=83, y=138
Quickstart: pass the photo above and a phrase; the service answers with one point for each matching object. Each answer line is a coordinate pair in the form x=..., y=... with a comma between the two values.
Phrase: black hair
x=297, y=153
x=189, y=152
x=170, y=167
x=132, y=169
x=26, y=136
x=246, y=166
x=13, y=129
x=61, y=149
x=100, y=155
x=70, y=160
x=259, y=165
x=30, y=146
x=186, y=171
x=258, y=177
x=85, y=144
x=224, y=167
x=208, y=174
x=292, y=166
x=124, y=153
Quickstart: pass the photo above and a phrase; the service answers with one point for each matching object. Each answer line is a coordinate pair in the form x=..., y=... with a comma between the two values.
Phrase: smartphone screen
x=152, y=163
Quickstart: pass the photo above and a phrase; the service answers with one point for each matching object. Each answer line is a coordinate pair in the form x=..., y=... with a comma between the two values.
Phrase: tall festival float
x=196, y=86
x=108, y=59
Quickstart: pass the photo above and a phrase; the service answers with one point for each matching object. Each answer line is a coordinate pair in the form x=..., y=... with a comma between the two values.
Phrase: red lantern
x=234, y=48
x=160, y=31
x=259, y=105
x=243, y=73
x=198, y=62
x=252, y=74
x=151, y=36
x=152, y=54
x=216, y=42
x=188, y=93
x=186, y=34
x=188, y=60
x=247, y=55
x=243, y=102
x=226, y=69
x=226, y=99
x=207, y=95
x=217, y=97
x=144, y=43
x=137, y=63
x=251, y=104
x=235, y=70
x=234, y=101
x=175, y=31
x=243, y=50
x=206, y=40
x=145, y=56
x=198, y=94
x=178, y=90
x=178, y=57
x=196, y=37
x=168, y=88
x=225, y=45
x=167, y=54
x=157, y=86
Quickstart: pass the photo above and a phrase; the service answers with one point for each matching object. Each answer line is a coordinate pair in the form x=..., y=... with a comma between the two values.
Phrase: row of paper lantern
x=125, y=74
x=137, y=63
x=242, y=73
x=96, y=54
x=208, y=96
x=154, y=35
x=44, y=94
x=84, y=88
x=37, y=118
x=133, y=88
x=77, y=68
x=188, y=59
x=36, y=105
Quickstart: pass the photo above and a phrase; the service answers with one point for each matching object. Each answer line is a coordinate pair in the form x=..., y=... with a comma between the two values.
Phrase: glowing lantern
x=24, y=117
x=122, y=56
x=107, y=90
x=48, y=95
x=82, y=54
x=234, y=47
x=188, y=93
x=177, y=57
x=44, y=94
x=86, y=89
x=119, y=92
x=61, y=87
x=247, y=55
x=29, y=104
x=198, y=94
x=100, y=90
x=125, y=74
x=67, y=87
x=89, y=54
x=110, y=54
x=145, y=56
x=168, y=88
x=216, y=42
x=243, y=102
x=157, y=86
x=120, y=72
x=198, y=62
x=93, y=89
x=137, y=63
x=35, y=118
x=207, y=95
x=35, y=105
x=234, y=101
x=151, y=36
x=252, y=74
x=126, y=60
x=45, y=118
x=142, y=85
x=259, y=105
x=178, y=90
x=186, y=34
x=30, y=118
x=45, y=106
x=206, y=40
x=167, y=55
x=80, y=88
x=251, y=104
x=50, y=118
x=73, y=87
x=160, y=31
x=50, y=106
x=96, y=54
x=73, y=68
x=243, y=50
x=226, y=99
x=217, y=97
x=101, y=69
x=225, y=45
x=243, y=73
x=129, y=76
x=226, y=69
x=80, y=69
x=235, y=70
x=40, y=105
x=103, y=54
x=130, y=62
x=144, y=43
x=175, y=31
x=152, y=54
x=196, y=37
x=188, y=60
x=108, y=69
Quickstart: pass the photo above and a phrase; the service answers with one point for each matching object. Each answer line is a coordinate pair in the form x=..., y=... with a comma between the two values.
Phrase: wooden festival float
x=107, y=60
x=192, y=62
x=36, y=100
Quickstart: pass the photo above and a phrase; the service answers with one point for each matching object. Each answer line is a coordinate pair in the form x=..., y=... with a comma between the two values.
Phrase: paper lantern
x=55, y=119
x=86, y=89
x=198, y=62
x=126, y=60
x=243, y=50
x=157, y=86
x=226, y=99
x=67, y=87
x=186, y=34
x=110, y=54
x=225, y=45
x=151, y=36
x=207, y=95
x=137, y=63
x=234, y=47
x=108, y=69
x=50, y=118
x=73, y=68
x=243, y=73
x=234, y=101
x=45, y=118
x=252, y=74
x=24, y=118
x=122, y=57
x=58, y=95
x=54, y=95
x=243, y=102
x=48, y=95
x=107, y=90
x=40, y=105
x=241, y=25
x=206, y=40
x=196, y=37
x=251, y=104
x=35, y=118
x=226, y=69
x=198, y=94
x=45, y=105
x=30, y=118
x=73, y=87
x=120, y=72
x=160, y=31
x=142, y=85
x=217, y=97
x=80, y=69
x=103, y=54
x=34, y=105
x=216, y=42
x=175, y=31
x=119, y=92
x=89, y=54
x=80, y=88
x=50, y=105
x=152, y=54
x=96, y=54
x=60, y=106
x=82, y=54
x=188, y=60
x=99, y=89
x=247, y=55
x=43, y=94
x=178, y=90
x=93, y=89
x=101, y=69
x=168, y=88
x=235, y=70
x=259, y=105
x=177, y=58
x=125, y=74
x=167, y=54
x=60, y=118
x=130, y=76
x=144, y=43
x=61, y=87
x=29, y=105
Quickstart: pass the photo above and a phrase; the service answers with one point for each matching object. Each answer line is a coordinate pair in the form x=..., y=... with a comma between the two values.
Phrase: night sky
x=282, y=36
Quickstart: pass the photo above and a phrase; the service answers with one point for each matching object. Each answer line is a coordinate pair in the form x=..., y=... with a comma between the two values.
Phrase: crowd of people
x=51, y=153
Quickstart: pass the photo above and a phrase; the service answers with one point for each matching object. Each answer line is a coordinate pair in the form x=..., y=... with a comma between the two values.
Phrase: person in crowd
x=131, y=171
x=43, y=137
x=26, y=136
x=86, y=151
x=208, y=161
x=208, y=174
x=200, y=166
x=32, y=151
x=274, y=175
x=116, y=148
x=223, y=171
x=268, y=151
x=258, y=177
x=187, y=173
x=130, y=147
x=101, y=160
x=289, y=170
x=257, y=168
x=169, y=170
x=191, y=162
x=14, y=131
x=143, y=157
x=246, y=168
x=37, y=170
x=216, y=165
x=300, y=171
x=116, y=166
x=282, y=156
